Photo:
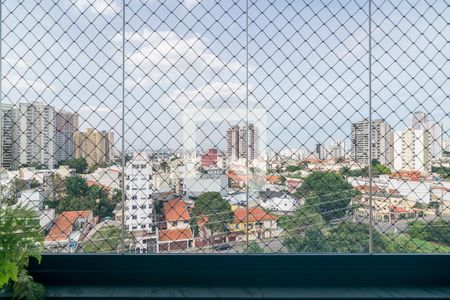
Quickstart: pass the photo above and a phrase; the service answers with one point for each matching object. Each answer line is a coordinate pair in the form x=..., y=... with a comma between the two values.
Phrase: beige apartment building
x=95, y=146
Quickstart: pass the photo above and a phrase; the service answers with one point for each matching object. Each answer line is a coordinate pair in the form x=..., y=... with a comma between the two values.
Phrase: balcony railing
x=200, y=126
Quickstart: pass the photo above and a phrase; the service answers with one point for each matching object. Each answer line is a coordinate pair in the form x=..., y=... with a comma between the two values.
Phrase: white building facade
x=139, y=204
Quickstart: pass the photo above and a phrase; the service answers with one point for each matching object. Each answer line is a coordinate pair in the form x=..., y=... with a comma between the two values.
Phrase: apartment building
x=33, y=134
x=242, y=142
x=66, y=124
x=7, y=115
x=382, y=142
x=139, y=217
x=412, y=150
x=95, y=146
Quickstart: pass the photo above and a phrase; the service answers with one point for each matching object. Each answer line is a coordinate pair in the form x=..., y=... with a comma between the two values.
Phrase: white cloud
x=213, y=94
x=166, y=55
x=16, y=63
x=18, y=82
x=191, y=3
x=106, y=7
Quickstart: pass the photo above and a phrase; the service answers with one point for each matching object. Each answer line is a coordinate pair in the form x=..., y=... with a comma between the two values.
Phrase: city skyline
x=323, y=85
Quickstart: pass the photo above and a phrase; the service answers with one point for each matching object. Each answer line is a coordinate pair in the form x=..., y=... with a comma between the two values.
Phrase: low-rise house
x=386, y=207
x=109, y=177
x=32, y=198
x=278, y=201
x=194, y=186
x=68, y=230
x=175, y=233
x=261, y=225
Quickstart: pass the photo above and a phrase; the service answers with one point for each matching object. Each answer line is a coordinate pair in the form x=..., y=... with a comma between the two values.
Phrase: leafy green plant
x=20, y=239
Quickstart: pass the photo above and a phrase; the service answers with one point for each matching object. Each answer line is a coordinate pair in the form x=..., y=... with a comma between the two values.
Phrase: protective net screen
x=240, y=126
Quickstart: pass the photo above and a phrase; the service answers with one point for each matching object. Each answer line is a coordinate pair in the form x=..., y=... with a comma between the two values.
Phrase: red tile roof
x=365, y=188
x=175, y=234
x=93, y=182
x=398, y=209
x=272, y=178
x=176, y=210
x=255, y=214
x=63, y=225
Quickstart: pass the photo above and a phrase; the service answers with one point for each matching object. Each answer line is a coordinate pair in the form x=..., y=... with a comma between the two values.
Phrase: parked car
x=222, y=247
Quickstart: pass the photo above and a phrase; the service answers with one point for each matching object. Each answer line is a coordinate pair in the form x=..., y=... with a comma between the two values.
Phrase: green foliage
x=436, y=231
x=92, y=168
x=310, y=241
x=377, y=169
x=328, y=192
x=354, y=237
x=281, y=180
x=404, y=243
x=253, y=247
x=20, y=239
x=79, y=196
x=106, y=240
x=304, y=231
x=303, y=217
x=443, y=172
x=26, y=288
x=294, y=168
x=217, y=209
x=79, y=164
x=347, y=172
x=36, y=165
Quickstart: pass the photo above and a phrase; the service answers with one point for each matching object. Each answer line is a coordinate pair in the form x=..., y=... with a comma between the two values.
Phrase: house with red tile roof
x=68, y=230
x=261, y=224
x=176, y=234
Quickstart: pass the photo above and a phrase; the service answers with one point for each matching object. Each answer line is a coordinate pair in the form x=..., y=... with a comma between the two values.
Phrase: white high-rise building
x=337, y=150
x=421, y=121
x=139, y=203
x=436, y=139
x=33, y=134
x=412, y=150
x=382, y=142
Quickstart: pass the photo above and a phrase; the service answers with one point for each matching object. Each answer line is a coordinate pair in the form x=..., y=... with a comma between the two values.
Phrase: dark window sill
x=356, y=276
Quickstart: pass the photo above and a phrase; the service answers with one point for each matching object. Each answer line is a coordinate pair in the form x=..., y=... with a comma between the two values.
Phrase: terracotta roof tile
x=175, y=234
x=255, y=214
x=63, y=225
x=176, y=210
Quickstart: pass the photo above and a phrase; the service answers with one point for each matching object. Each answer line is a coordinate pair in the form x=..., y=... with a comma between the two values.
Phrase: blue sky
x=308, y=65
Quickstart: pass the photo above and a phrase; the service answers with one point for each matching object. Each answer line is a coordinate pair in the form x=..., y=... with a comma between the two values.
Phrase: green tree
x=79, y=164
x=294, y=168
x=21, y=239
x=304, y=231
x=76, y=186
x=354, y=237
x=311, y=241
x=92, y=168
x=436, y=231
x=328, y=192
x=79, y=196
x=254, y=247
x=379, y=169
x=217, y=209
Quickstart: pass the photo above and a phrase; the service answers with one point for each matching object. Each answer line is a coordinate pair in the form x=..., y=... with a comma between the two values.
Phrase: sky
x=186, y=62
